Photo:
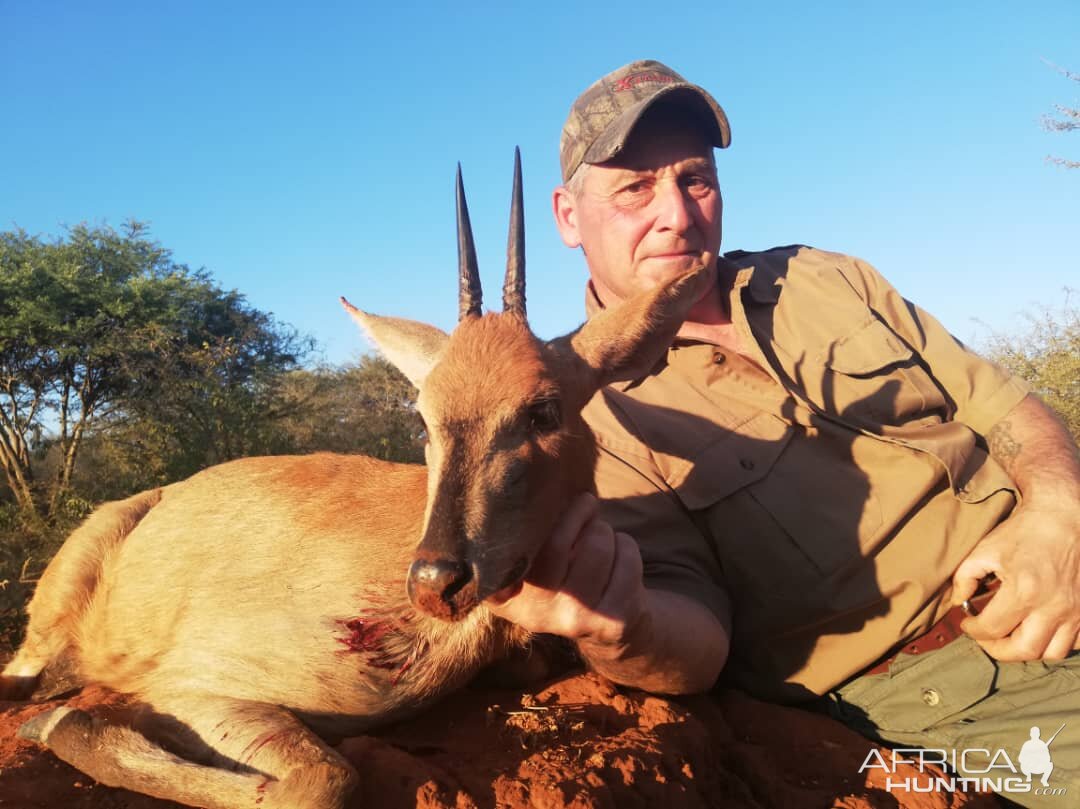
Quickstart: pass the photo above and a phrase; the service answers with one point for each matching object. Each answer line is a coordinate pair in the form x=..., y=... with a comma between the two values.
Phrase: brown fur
x=265, y=599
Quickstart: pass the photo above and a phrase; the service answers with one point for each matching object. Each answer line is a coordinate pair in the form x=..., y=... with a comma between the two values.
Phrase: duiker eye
x=544, y=416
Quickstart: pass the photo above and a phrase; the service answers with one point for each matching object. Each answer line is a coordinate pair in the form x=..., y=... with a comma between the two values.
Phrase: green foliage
x=103, y=332
x=214, y=397
x=1047, y=356
x=111, y=350
x=366, y=408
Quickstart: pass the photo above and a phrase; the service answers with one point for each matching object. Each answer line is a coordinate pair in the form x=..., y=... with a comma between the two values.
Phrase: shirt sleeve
x=982, y=392
x=634, y=498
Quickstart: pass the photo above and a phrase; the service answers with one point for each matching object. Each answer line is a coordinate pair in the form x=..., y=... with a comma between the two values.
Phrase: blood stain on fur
x=368, y=636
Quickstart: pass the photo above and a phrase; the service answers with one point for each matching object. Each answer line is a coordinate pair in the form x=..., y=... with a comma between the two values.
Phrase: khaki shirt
x=829, y=488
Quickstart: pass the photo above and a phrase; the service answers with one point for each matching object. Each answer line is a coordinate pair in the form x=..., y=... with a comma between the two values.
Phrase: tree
x=184, y=425
x=100, y=327
x=368, y=408
x=1047, y=356
x=215, y=396
x=1067, y=119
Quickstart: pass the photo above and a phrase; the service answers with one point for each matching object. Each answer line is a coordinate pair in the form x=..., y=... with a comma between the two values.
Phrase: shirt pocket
x=873, y=378
x=726, y=460
x=923, y=691
x=779, y=512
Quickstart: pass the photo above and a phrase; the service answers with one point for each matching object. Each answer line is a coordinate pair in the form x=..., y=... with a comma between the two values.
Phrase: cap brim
x=703, y=105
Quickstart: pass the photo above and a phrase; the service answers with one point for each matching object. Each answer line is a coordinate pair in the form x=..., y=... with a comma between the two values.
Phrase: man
x=811, y=479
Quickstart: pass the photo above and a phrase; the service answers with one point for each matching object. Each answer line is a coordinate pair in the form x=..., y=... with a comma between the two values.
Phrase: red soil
x=580, y=743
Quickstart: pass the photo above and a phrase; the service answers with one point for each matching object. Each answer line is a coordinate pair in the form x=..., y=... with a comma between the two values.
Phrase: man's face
x=651, y=213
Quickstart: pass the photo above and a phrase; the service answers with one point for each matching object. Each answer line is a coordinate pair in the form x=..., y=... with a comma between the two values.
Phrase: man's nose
x=674, y=208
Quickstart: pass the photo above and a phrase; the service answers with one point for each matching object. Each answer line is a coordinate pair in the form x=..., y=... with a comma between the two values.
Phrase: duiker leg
x=256, y=755
x=66, y=588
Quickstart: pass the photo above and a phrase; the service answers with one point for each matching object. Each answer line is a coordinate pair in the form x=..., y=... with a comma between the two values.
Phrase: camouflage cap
x=604, y=115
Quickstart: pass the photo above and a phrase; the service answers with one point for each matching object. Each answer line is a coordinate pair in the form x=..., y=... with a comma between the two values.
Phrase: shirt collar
x=761, y=289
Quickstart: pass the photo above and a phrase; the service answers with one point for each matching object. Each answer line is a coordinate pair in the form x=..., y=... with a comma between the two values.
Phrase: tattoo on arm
x=1002, y=444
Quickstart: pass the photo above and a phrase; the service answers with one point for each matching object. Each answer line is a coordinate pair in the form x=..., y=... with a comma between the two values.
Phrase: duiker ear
x=625, y=341
x=412, y=347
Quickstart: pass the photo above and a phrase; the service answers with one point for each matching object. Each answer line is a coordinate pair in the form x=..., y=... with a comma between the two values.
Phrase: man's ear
x=564, y=206
x=411, y=347
x=624, y=342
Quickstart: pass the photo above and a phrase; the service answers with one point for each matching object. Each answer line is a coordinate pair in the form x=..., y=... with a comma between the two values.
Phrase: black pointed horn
x=514, y=285
x=470, y=296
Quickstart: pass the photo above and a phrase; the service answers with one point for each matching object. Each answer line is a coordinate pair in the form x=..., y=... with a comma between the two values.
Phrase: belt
x=946, y=630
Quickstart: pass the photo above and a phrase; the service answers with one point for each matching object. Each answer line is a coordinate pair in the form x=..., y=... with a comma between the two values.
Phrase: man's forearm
x=1034, y=447
x=680, y=647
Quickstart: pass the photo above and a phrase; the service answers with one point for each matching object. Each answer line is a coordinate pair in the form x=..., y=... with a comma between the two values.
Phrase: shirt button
x=931, y=697
x=719, y=358
x=746, y=464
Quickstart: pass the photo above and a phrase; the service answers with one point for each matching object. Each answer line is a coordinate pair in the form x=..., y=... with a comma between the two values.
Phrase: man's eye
x=699, y=189
x=633, y=195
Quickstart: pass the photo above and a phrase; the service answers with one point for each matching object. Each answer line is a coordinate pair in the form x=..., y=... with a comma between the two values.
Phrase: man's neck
x=709, y=320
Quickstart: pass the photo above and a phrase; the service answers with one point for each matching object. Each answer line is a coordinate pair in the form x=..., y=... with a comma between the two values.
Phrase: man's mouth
x=676, y=255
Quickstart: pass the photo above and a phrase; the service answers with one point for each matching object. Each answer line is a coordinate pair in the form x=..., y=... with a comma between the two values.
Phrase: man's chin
x=664, y=271
x=676, y=262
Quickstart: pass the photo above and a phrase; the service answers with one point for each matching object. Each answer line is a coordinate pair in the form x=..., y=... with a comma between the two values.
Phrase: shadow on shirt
x=777, y=512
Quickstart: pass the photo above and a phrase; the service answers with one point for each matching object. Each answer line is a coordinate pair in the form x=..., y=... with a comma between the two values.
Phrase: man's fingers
x=968, y=576
x=619, y=606
x=626, y=572
x=592, y=558
x=1063, y=642
x=551, y=565
x=1002, y=614
x=1026, y=642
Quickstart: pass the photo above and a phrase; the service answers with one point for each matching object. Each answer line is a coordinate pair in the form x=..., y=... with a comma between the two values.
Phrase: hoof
x=41, y=726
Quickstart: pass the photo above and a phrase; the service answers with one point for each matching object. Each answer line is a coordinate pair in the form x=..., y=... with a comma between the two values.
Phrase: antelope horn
x=470, y=296
x=514, y=285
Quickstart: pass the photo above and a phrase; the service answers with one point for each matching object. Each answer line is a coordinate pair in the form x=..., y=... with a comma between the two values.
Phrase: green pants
x=960, y=706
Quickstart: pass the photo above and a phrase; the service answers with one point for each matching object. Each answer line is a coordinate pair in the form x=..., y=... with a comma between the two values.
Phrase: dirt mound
x=580, y=743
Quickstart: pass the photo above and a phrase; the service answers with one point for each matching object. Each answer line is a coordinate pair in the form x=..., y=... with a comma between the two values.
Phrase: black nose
x=434, y=583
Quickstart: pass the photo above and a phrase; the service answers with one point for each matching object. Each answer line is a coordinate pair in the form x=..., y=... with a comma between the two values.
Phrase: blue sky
x=304, y=151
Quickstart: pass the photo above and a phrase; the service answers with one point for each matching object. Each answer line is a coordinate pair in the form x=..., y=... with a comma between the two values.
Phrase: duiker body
x=268, y=602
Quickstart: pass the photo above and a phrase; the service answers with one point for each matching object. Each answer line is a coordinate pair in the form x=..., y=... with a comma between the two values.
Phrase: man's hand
x=1036, y=612
x=586, y=584
x=1036, y=551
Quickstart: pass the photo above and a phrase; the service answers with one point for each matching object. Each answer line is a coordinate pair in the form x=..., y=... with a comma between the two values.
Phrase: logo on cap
x=634, y=79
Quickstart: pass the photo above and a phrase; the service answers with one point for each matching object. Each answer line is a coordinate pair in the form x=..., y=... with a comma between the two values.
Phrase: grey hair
x=576, y=184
